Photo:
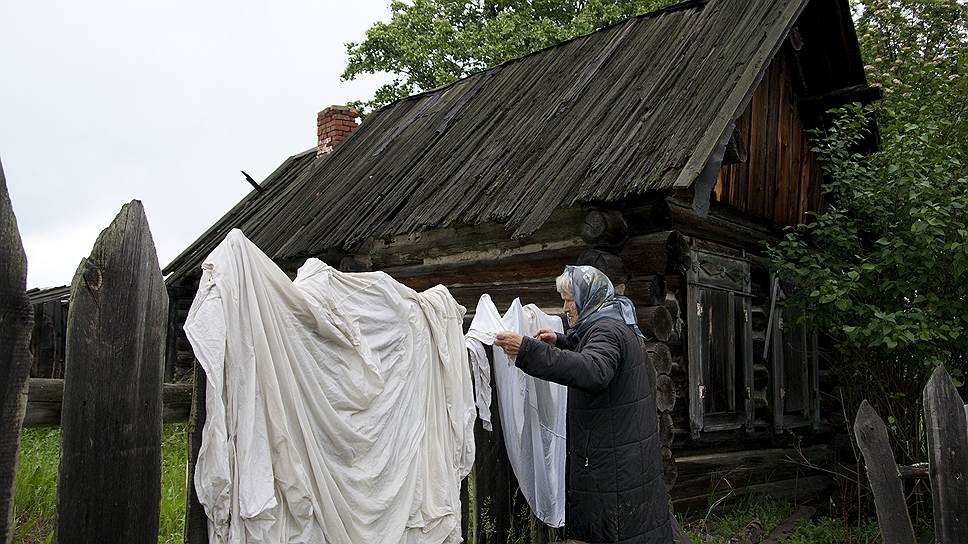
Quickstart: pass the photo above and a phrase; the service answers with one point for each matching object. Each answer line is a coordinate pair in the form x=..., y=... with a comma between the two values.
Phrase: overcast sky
x=105, y=101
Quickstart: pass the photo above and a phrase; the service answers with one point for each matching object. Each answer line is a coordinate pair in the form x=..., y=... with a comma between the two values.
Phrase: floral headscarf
x=595, y=299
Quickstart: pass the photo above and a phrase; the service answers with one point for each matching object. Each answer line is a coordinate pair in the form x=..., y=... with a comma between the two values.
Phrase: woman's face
x=571, y=310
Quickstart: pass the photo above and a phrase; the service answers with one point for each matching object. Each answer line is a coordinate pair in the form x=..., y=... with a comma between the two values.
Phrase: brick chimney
x=333, y=125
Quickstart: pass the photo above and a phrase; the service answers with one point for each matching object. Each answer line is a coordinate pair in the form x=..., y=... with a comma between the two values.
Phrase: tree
x=884, y=265
x=429, y=43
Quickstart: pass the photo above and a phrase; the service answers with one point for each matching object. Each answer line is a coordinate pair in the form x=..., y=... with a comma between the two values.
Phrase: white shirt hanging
x=532, y=411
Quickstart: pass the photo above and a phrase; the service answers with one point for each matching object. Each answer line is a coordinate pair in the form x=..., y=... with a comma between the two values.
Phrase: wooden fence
x=109, y=405
x=947, y=434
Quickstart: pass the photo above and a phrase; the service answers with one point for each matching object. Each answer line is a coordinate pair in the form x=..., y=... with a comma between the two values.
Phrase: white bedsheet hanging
x=532, y=411
x=339, y=406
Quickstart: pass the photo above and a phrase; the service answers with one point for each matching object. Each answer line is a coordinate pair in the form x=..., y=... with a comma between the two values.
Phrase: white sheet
x=339, y=406
x=532, y=411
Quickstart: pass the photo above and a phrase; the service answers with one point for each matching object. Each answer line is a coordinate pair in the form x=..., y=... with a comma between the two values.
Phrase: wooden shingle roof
x=639, y=106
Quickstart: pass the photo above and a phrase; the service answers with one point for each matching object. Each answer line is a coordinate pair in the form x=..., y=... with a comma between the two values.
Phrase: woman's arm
x=565, y=342
x=590, y=369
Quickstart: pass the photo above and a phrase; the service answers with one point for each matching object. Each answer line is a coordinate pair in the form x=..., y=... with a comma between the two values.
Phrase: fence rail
x=45, y=396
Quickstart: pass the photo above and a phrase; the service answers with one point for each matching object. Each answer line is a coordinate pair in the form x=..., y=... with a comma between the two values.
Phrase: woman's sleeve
x=590, y=369
x=563, y=341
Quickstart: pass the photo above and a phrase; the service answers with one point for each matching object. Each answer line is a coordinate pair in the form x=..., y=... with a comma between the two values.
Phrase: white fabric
x=532, y=411
x=339, y=406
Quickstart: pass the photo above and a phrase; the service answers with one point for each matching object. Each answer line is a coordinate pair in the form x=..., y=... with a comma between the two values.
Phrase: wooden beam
x=16, y=322
x=794, y=489
x=722, y=225
x=705, y=473
x=917, y=471
x=655, y=253
x=45, y=396
x=609, y=263
x=109, y=485
x=865, y=94
x=655, y=322
x=604, y=228
x=660, y=356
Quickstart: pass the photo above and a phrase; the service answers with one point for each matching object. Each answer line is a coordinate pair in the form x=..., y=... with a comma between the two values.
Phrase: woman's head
x=583, y=289
x=563, y=284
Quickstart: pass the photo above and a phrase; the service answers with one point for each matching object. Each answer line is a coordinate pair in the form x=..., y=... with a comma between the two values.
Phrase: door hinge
x=782, y=392
x=702, y=391
x=699, y=309
x=746, y=316
x=749, y=392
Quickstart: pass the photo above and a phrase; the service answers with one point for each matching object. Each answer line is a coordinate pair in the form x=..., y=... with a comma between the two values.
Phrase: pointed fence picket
x=947, y=434
x=109, y=484
x=16, y=321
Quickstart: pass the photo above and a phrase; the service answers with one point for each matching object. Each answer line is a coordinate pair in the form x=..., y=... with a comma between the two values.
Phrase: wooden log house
x=665, y=149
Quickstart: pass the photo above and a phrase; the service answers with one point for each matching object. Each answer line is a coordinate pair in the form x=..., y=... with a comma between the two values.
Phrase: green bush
x=884, y=266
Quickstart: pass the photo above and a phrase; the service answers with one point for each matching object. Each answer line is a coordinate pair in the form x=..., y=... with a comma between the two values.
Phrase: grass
x=771, y=513
x=35, y=501
x=35, y=492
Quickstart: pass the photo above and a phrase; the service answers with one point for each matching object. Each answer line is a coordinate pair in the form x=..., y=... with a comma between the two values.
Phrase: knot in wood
x=93, y=276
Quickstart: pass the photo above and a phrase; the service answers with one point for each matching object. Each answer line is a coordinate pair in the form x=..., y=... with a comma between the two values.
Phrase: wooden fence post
x=109, y=485
x=947, y=432
x=16, y=321
x=892, y=514
x=196, y=521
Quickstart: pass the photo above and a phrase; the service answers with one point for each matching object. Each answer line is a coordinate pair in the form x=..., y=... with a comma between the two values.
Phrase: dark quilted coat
x=615, y=491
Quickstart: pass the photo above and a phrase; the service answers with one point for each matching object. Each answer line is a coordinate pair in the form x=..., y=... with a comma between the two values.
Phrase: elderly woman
x=615, y=491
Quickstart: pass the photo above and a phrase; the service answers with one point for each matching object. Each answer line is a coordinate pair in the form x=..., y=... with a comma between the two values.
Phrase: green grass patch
x=35, y=491
x=720, y=527
x=34, y=494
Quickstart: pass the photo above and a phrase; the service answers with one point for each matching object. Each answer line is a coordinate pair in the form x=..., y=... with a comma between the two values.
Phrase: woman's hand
x=547, y=336
x=509, y=342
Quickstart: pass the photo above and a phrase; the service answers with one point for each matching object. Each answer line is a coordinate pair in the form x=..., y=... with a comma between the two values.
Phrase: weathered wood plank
x=917, y=471
x=16, y=322
x=798, y=489
x=108, y=488
x=947, y=433
x=45, y=396
x=892, y=513
x=701, y=474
